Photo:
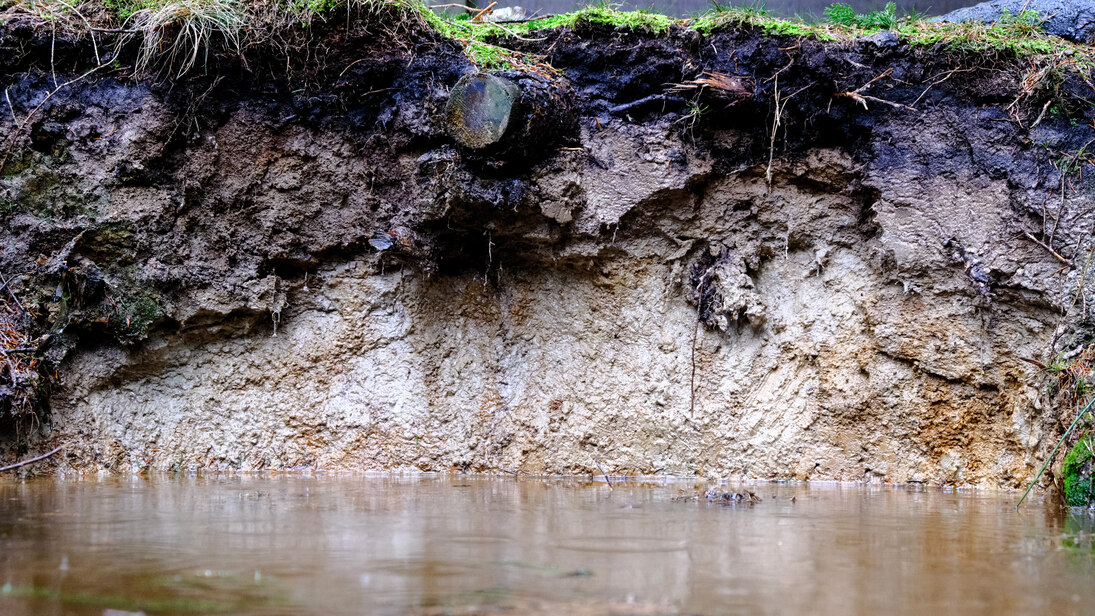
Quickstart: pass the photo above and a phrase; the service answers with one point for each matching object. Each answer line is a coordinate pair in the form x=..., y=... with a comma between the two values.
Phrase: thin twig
x=607, y=478
x=1051, y=251
x=1035, y=362
x=115, y=30
x=94, y=43
x=1081, y=295
x=10, y=108
x=858, y=96
x=949, y=74
x=1042, y=115
x=30, y=461
x=863, y=98
x=23, y=124
x=695, y=335
x=776, y=122
x=646, y=100
x=478, y=16
x=470, y=9
x=1053, y=453
x=4, y=285
x=52, y=45
x=776, y=74
x=349, y=65
x=525, y=20
x=514, y=34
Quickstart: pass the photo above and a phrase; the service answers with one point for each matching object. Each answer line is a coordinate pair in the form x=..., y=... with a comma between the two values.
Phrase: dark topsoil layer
x=384, y=95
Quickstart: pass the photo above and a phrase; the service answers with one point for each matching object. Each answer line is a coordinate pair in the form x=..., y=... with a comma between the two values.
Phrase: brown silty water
x=355, y=545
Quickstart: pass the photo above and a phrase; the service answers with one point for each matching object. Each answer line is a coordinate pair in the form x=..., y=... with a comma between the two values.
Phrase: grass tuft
x=844, y=15
x=177, y=35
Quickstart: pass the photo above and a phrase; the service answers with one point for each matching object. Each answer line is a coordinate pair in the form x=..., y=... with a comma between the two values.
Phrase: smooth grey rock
x=1070, y=19
x=886, y=38
x=478, y=110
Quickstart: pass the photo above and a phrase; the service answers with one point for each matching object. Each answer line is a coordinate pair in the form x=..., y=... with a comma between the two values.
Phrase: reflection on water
x=684, y=8
x=437, y=546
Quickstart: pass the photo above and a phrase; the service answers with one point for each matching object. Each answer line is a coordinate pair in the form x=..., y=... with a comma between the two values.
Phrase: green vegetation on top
x=234, y=23
x=845, y=15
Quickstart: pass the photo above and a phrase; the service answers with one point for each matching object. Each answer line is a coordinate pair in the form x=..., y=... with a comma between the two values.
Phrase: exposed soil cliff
x=834, y=278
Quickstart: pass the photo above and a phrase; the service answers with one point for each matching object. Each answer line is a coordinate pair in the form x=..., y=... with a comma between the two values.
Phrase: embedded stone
x=479, y=108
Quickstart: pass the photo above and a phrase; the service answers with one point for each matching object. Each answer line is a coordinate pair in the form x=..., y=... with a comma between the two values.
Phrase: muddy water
x=320, y=545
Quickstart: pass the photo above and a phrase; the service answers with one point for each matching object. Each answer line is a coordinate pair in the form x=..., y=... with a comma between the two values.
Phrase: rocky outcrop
x=257, y=276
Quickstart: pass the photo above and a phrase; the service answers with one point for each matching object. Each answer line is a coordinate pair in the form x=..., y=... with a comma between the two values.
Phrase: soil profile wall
x=250, y=270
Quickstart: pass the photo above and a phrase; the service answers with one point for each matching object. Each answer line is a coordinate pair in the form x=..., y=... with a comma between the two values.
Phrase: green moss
x=846, y=16
x=125, y=8
x=1077, y=472
x=136, y=315
x=1020, y=35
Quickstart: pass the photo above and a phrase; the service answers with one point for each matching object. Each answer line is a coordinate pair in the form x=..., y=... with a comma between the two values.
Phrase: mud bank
x=805, y=284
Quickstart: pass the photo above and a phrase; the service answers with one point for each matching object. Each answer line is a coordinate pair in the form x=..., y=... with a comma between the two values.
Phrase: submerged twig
x=30, y=461
x=607, y=478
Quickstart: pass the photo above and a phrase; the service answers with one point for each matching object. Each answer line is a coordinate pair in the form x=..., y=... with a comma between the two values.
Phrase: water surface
x=355, y=545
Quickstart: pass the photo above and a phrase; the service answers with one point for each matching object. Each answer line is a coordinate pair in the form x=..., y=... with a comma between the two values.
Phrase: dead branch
x=1046, y=246
x=534, y=17
x=479, y=15
x=646, y=100
x=863, y=98
x=1042, y=115
x=733, y=87
x=30, y=461
x=1034, y=361
x=514, y=34
x=1081, y=295
x=858, y=96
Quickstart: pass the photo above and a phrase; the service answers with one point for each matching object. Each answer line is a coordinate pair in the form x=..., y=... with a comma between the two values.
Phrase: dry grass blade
x=176, y=34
